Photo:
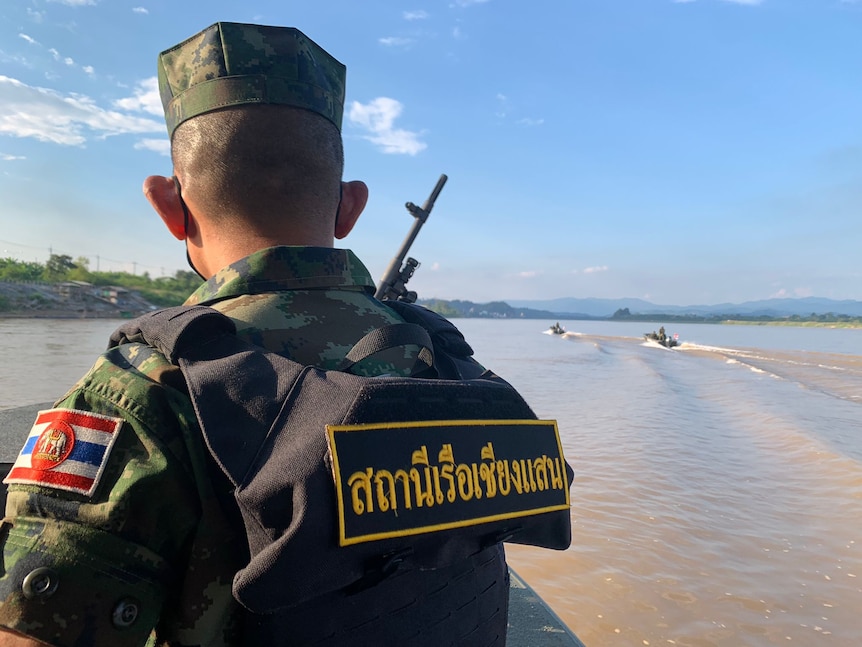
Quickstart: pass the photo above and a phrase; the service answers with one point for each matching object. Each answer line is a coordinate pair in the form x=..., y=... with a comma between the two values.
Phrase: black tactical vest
x=375, y=507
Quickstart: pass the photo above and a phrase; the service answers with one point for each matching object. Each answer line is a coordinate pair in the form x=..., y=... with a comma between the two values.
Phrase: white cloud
x=142, y=10
x=30, y=40
x=505, y=109
x=75, y=3
x=378, y=118
x=395, y=41
x=467, y=3
x=68, y=61
x=416, y=15
x=529, y=274
x=746, y=2
x=67, y=120
x=161, y=146
x=503, y=102
x=14, y=58
x=6, y=157
x=35, y=16
x=795, y=293
x=146, y=98
x=595, y=269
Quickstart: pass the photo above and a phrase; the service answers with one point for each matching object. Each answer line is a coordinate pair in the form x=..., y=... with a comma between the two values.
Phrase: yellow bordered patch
x=400, y=479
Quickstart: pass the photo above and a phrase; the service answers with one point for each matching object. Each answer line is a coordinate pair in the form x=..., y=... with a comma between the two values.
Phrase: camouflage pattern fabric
x=311, y=304
x=231, y=64
x=149, y=558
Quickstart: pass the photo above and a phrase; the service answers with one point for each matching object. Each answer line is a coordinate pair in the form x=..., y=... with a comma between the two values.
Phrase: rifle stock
x=393, y=285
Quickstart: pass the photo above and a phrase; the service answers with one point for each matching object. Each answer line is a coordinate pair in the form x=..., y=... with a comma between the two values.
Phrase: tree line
x=173, y=290
x=623, y=314
x=161, y=291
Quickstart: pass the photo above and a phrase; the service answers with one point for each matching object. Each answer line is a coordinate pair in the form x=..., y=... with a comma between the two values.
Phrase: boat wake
x=651, y=343
x=832, y=374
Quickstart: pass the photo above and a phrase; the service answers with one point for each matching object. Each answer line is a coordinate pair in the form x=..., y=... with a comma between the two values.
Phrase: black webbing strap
x=391, y=336
x=175, y=329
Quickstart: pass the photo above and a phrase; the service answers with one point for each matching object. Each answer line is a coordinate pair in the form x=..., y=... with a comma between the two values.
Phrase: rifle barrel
x=429, y=203
x=420, y=215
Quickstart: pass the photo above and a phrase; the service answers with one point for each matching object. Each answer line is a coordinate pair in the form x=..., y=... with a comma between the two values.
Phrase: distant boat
x=556, y=329
x=660, y=338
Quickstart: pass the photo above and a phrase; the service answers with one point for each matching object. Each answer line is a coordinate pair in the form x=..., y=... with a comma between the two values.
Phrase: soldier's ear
x=354, y=197
x=161, y=192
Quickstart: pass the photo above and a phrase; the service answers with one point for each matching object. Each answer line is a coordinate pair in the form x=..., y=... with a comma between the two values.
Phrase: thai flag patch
x=67, y=450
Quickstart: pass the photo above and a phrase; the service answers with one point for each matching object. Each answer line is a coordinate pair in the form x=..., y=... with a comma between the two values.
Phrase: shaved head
x=260, y=165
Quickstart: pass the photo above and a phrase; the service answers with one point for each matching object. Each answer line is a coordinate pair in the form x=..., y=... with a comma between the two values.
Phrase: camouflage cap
x=231, y=64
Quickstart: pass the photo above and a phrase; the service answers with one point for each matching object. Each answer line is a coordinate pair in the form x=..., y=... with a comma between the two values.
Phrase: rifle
x=393, y=285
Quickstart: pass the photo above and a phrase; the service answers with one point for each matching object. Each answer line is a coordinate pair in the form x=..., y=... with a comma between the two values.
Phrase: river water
x=717, y=498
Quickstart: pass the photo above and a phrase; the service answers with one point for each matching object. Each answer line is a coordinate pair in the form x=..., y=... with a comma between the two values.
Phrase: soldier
x=132, y=536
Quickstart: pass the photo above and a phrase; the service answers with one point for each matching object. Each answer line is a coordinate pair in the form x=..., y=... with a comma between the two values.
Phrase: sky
x=683, y=152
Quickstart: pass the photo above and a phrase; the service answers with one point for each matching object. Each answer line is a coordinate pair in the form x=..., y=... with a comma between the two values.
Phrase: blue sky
x=688, y=152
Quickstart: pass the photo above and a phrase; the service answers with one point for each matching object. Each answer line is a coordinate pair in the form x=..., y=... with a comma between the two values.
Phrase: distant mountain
x=575, y=308
x=492, y=310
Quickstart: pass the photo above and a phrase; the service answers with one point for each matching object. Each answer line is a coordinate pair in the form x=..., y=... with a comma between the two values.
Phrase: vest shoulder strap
x=453, y=356
x=173, y=331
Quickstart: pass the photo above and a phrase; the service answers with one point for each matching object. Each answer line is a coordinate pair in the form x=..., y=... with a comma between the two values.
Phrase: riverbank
x=69, y=300
x=65, y=314
x=799, y=324
x=81, y=300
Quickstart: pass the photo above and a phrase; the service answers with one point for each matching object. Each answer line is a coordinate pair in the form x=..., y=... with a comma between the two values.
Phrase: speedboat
x=661, y=338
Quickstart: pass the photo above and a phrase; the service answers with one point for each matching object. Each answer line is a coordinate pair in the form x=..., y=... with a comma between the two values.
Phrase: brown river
x=717, y=499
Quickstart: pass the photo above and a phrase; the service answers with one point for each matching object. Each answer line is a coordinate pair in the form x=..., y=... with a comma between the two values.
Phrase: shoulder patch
x=67, y=450
x=510, y=469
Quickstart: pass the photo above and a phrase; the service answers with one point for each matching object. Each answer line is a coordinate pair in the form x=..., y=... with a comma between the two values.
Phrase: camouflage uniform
x=149, y=558
x=307, y=303
x=120, y=529
x=232, y=64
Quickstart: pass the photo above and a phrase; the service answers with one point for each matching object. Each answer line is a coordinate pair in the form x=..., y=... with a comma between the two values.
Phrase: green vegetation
x=849, y=322
x=441, y=307
x=163, y=291
x=829, y=319
x=492, y=310
x=173, y=290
